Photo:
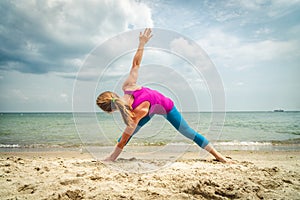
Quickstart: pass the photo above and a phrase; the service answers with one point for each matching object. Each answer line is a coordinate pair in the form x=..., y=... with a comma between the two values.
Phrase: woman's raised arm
x=130, y=82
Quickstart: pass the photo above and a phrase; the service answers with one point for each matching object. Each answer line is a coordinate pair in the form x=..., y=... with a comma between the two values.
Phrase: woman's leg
x=141, y=123
x=176, y=119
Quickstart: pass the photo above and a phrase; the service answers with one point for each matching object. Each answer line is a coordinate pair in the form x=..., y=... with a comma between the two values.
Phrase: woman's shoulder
x=131, y=88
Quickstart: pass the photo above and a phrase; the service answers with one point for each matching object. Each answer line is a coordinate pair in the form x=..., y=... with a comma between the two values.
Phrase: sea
x=270, y=131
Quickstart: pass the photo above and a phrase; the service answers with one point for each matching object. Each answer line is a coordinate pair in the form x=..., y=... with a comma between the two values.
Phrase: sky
x=254, y=46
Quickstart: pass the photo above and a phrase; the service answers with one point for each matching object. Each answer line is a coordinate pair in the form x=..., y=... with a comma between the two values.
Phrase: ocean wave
x=242, y=143
x=289, y=132
x=10, y=146
x=39, y=146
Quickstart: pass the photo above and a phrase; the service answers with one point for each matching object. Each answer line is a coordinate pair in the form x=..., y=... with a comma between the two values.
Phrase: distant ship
x=279, y=110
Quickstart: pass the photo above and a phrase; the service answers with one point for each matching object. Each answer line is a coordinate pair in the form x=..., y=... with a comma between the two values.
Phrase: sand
x=75, y=175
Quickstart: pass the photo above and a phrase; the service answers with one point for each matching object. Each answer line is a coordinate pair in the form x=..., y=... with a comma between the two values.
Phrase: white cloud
x=262, y=31
x=250, y=12
x=274, y=6
x=191, y=52
x=184, y=47
x=267, y=50
x=252, y=5
x=282, y=7
x=232, y=51
x=137, y=14
x=52, y=34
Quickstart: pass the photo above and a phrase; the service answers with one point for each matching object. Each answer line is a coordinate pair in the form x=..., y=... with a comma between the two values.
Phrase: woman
x=139, y=104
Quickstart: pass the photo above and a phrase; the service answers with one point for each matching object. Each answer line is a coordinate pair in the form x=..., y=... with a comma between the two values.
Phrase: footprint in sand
x=27, y=188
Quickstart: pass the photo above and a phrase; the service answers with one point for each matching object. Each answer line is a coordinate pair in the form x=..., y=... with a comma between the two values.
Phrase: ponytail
x=109, y=101
x=124, y=110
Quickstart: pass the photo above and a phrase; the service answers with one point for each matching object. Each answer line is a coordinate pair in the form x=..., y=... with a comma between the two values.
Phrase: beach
x=75, y=174
x=44, y=156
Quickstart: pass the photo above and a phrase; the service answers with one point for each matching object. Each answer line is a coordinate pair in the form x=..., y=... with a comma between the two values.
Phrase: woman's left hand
x=108, y=159
x=145, y=37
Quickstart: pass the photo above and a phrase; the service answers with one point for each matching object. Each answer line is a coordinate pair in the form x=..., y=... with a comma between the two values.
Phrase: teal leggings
x=176, y=119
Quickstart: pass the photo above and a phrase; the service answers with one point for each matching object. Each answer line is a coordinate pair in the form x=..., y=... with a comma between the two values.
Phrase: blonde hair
x=110, y=101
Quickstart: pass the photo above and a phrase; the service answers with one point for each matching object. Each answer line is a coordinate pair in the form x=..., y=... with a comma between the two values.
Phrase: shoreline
x=238, y=155
x=288, y=145
x=78, y=175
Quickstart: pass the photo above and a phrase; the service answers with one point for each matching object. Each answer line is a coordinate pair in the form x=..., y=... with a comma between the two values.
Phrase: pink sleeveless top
x=159, y=104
